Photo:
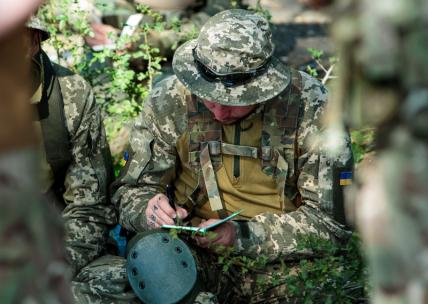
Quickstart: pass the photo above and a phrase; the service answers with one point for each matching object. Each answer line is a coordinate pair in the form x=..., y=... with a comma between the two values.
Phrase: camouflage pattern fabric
x=396, y=255
x=210, y=180
x=88, y=213
x=249, y=36
x=33, y=268
x=205, y=298
x=32, y=258
x=386, y=89
x=103, y=281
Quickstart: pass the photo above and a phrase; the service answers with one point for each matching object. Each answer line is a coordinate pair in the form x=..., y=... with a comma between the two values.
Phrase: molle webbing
x=277, y=150
x=278, y=143
x=280, y=121
x=205, y=134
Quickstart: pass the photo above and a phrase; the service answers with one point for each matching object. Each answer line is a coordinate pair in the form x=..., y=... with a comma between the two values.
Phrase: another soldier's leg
x=233, y=285
x=205, y=298
x=266, y=286
x=272, y=285
x=103, y=281
x=218, y=286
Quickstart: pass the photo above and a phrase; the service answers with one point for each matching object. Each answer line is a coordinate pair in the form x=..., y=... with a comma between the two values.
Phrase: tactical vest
x=56, y=137
x=277, y=150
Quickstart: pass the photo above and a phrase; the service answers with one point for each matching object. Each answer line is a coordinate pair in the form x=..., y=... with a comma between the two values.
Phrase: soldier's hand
x=224, y=235
x=159, y=212
x=101, y=34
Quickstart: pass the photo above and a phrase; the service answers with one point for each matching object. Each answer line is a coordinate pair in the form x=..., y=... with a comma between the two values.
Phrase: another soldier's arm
x=152, y=158
x=277, y=235
x=88, y=213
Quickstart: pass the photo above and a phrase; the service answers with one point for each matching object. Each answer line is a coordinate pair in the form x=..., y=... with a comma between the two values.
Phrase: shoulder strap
x=278, y=142
x=54, y=128
x=280, y=120
x=202, y=128
x=205, y=135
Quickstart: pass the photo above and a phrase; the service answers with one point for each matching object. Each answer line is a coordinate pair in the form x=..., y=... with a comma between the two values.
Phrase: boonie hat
x=231, y=61
x=36, y=24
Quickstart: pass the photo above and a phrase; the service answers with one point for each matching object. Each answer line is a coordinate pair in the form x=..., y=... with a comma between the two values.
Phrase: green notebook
x=203, y=230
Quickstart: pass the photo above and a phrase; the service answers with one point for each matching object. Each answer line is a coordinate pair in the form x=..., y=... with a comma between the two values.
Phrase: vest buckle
x=214, y=147
x=267, y=154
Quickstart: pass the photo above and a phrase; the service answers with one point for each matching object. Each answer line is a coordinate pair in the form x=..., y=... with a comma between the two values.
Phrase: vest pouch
x=197, y=197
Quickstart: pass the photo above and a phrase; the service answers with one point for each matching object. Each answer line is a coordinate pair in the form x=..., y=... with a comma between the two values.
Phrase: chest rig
x=277, y=151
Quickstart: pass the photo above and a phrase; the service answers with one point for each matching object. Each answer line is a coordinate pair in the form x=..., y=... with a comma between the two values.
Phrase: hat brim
x=45, y=35
x=260, y=89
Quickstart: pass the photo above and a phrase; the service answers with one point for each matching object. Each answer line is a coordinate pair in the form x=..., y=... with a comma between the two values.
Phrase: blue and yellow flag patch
x=124, y=159
x=345, y=178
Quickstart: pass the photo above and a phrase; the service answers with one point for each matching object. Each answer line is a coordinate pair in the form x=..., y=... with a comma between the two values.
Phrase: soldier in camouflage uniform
x=384, y=84
x=235, y=129
x=32, y=259
x=76, y=166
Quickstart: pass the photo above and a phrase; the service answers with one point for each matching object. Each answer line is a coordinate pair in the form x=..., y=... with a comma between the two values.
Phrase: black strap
x=54, y=127
x=245, y=230
x=338, y=196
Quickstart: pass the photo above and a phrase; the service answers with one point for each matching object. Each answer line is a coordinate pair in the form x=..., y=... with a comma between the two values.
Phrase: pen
x=170, y=195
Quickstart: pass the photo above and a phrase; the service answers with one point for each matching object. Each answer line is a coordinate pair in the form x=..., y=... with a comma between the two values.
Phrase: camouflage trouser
x=105, y=281
x=236, y=286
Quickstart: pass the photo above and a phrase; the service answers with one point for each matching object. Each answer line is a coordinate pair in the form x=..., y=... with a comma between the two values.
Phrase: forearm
x=150, y=166
x=278, y=235
x=132, y=203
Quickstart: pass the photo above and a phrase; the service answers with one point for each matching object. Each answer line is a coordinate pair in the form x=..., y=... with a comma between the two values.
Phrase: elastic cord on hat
x=229, y=79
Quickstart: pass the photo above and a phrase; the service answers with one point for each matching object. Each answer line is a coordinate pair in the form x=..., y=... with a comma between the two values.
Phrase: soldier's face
x=228, y=114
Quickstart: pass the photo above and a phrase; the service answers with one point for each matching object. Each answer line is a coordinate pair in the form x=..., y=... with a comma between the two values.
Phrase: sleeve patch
x=345, y=178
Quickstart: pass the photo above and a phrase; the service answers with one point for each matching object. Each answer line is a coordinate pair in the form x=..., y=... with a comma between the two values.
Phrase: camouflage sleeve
x=278, y=235
x=32, y=260
x=88, y=213
x=152, y=153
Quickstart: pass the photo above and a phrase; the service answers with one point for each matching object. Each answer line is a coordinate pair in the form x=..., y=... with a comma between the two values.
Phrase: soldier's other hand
x=224, y=235
x=101, y=34
x=159, y=212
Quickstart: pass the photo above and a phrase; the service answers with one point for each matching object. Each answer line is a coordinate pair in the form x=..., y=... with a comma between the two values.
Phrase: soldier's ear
x=36, y=39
